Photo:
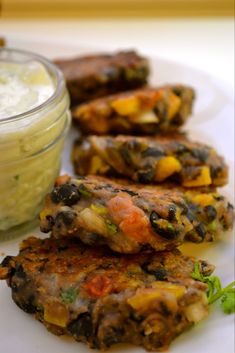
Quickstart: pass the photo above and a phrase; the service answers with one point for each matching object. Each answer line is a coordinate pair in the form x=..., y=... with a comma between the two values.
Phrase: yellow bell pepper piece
x=142, y=299
x=175, y=289
x=204, y=178
x=166, y=167
x=174, y=105
x=56, y=314
x=97, y=165
x=126, y=105
x=204, y=199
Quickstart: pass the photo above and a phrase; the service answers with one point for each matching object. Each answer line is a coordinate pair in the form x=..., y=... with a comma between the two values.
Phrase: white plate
x=212, y=123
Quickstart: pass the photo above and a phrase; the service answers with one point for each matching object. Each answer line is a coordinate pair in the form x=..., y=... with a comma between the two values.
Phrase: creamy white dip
x=30, y=143
x=23, y=86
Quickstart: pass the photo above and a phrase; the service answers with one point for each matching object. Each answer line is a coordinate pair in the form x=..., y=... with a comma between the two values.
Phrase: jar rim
x=53, y=69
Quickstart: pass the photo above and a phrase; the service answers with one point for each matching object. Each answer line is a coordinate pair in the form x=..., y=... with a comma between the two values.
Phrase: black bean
x=141, y=73
x=14, y=287
x=172, y=212
x=215, y=171
x=166, y=231
x=160, y=273
x=190, y=215
x=183, y=206
x=200, y=154
x=175, y=178
x=81, y=327
x=178, y=317
x=19, y=272
x=153, y=152
x=218, y=197
x=154, y=217
x=146, y=176
x=136, y=316
x=206, y=269
x=131, y=193
x=113, y=335
x=66, y=193
x=193, y=208
x=62, y=248
x=180, y=148
x=5, y=262
x=191, y=172
x=50, y=220
x=201, y=231
x=211, y=212
x=65, y=217
x=111, y=73
x=125, y=153
x=134, y=145
x=164, y=309
x=28, y=305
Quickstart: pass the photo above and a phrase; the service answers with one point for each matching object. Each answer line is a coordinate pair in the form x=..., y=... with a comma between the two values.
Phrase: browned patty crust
x=102, y=299
x=150, y=160
x=143, y=111
x=92, y=76
x=130, y=218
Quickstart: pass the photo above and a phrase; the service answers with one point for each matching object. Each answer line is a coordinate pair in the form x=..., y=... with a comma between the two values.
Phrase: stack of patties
x=110, y=271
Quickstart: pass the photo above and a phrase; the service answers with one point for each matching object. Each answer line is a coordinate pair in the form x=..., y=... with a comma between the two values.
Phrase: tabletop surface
x=207, y=44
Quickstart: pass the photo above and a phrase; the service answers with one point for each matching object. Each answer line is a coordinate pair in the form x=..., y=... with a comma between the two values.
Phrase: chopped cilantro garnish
x=212, y=226
x=112, y=228
x=215, y=290
x=228, y=301
x=69, y=296
x=84, y=191
x=170, y=227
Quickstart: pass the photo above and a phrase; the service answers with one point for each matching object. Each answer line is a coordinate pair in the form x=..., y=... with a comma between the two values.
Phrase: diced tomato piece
x=131, y=219
x=99, y=286
x=62, y=179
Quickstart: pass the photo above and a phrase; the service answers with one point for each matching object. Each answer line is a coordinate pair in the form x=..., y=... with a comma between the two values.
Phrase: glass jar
x=31, y=144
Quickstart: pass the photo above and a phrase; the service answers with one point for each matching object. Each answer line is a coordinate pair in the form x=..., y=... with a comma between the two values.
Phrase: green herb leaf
x=69, y=296
x=228, y=301
x=215, y=290
x=212, y=226
x=112, y=228
x=84, y=191
x=99, y=209
x=170, y=226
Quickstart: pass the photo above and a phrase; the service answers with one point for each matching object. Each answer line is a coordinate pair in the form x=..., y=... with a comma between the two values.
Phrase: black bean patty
x=129, y=218
x=102, y=299
x=98, y=75
x=143, y=111
x=150, y=160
